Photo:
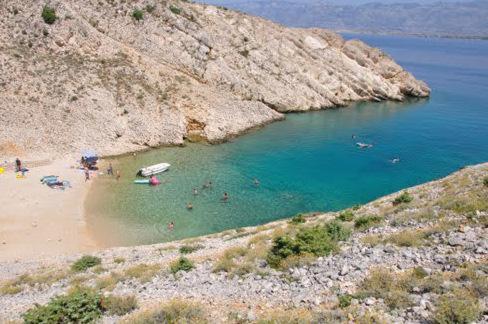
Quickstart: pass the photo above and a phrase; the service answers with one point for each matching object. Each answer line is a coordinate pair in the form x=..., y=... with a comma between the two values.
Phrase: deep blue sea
x=309, y=162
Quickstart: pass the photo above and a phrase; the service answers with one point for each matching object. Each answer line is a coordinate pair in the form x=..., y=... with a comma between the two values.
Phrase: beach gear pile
x=53, y=182
x=89, y=160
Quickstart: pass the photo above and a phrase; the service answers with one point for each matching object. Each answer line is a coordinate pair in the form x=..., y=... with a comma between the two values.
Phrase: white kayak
x=154, y=169
x=363, y=145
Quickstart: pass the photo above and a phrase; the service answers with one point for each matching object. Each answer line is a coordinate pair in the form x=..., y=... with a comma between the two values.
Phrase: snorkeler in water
x=225, y=197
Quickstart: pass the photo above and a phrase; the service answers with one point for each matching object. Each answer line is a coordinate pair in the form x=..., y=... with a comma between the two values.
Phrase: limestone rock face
x=99, y=78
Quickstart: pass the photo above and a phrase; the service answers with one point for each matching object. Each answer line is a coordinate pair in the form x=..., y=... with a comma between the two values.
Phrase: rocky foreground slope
x=419, y=256
x=122, y=75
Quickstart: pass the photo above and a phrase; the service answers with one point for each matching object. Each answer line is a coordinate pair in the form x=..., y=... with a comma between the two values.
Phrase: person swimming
x=256, y=182
x=189, y=206
x=207, y=185
x=171, y=225
x=195, y=191
x=225, y=197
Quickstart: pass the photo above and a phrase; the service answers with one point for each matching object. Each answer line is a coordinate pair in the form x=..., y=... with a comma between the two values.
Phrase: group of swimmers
x=208, y=185
x=363, y=145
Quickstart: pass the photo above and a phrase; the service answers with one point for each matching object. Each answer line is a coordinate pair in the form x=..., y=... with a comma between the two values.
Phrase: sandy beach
x=38, y=222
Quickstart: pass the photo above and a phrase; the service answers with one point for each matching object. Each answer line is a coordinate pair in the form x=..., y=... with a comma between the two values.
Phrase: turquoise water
x=309, y=161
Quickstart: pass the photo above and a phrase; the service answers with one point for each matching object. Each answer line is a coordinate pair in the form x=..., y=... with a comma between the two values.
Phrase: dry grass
x=15, y=286
x=372, y=240
x=407, y=238
x=142, y=272
x=293, y=316
x=421, y=215
x=459, y=306
x=174, y=311
x=108, y=282
x=240, y=260
x=297, y=260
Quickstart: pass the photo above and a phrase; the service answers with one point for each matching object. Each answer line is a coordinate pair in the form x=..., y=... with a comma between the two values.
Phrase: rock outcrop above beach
x=123, y=75
x=416, y=256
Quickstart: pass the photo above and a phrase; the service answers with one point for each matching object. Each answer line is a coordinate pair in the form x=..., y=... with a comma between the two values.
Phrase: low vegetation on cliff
x=417, y=256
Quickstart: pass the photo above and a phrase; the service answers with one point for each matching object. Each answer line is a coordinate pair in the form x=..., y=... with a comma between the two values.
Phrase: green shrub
x=119, y=305
x=345, y=300
x=85, y=262
x=182, y=264
x=365, y=222
x=187, y=249
x=346, y=216
x=138, y=14
x=174, y=9
x=404, y=198
x=78, y=306
x=315, y=241
x=298, y=219
x=457, y=307
x=337, y=232
x=49, y=15
x=485, y=181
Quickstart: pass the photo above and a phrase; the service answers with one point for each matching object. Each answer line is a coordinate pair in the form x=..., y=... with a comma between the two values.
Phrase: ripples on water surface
x=309, y=162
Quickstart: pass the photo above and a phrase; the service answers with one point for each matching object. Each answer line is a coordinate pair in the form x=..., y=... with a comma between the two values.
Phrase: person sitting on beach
x=189, y=206
x=225, y=197
x=110, y=170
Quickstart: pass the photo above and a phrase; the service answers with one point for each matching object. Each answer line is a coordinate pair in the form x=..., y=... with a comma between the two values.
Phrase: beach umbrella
x=88, y=153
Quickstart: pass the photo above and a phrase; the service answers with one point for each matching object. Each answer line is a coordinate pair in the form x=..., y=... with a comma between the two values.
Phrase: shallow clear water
x=309, y=161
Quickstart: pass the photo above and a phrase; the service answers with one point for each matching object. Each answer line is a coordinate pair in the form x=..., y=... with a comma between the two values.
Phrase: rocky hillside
x=417, y=256
x=120, y=75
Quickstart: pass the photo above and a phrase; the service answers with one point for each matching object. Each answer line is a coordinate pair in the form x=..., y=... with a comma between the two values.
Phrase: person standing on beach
x=118, y=175
x=18, y=165
x=110, y=170
x=87, y=174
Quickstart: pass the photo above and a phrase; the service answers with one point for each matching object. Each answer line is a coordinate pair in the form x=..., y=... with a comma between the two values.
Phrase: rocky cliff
x=122, y=75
